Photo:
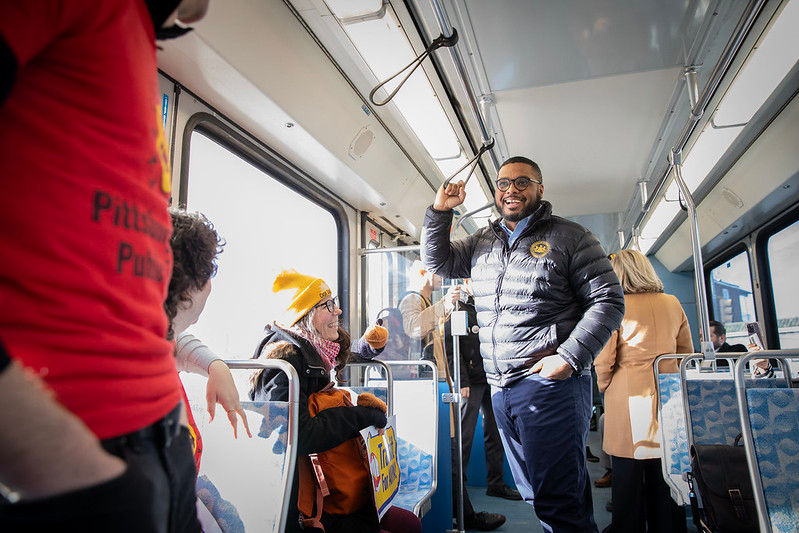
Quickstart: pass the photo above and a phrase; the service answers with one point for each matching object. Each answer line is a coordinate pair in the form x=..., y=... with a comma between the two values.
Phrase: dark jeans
x=544, y=428
x=155, y=494
x=479, y=400
x=642, y=500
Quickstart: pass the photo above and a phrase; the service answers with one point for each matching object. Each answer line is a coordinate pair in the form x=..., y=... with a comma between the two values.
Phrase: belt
x=161, y=433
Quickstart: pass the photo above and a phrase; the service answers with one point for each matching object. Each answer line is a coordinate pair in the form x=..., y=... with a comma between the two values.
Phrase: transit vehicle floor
x=520, y=516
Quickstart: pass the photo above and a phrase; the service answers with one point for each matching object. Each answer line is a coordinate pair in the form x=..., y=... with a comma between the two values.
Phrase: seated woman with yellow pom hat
x=315, y=344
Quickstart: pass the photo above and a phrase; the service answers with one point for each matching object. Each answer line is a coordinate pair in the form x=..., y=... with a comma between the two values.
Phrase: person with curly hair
x=315, y=344
x=195, y=246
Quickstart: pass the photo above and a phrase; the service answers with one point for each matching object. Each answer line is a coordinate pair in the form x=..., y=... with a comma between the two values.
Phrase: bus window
x=267, y=227
x=732, y=299
x=378, y=282
x=783, y=256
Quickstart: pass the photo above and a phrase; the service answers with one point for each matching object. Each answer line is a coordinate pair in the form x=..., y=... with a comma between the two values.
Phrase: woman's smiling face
x=325, y=321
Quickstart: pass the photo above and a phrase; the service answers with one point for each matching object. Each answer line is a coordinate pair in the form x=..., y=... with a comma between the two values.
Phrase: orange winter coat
x=345, y=467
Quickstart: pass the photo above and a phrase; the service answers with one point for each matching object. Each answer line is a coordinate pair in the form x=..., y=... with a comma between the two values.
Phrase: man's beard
x=524, y=213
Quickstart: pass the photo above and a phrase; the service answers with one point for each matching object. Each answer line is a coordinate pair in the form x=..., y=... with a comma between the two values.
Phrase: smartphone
x=755, y=338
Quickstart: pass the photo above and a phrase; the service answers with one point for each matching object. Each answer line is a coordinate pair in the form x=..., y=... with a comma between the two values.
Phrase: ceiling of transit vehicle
x=582, y=87
x=533, y=43
x=591, y=89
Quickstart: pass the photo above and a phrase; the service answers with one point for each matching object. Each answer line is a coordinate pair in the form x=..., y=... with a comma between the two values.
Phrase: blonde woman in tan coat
x=654, y=323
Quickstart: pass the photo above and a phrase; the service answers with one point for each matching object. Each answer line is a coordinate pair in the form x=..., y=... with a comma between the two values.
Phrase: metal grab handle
x=438, y=42
x=464, y=217
x=473, y=162
x=460, y=67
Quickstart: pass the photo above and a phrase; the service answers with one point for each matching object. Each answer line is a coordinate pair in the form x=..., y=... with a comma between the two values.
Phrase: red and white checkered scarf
x=328, y=350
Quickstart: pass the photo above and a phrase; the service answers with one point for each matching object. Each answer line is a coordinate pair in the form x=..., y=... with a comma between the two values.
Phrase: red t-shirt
x=85, y=259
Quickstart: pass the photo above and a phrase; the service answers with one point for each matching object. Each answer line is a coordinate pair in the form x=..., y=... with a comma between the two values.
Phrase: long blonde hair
x=635, y=272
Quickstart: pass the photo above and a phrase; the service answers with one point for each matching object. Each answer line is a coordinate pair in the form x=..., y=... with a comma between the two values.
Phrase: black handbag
x=720, y=474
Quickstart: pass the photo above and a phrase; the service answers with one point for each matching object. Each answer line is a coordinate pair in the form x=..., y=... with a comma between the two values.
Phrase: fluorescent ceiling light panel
x=385, y=48
x=765, y=69
x=344, y=9
x=659, y=220
x=705, y=153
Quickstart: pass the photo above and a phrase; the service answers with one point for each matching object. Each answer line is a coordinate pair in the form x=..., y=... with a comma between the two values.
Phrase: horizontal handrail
x=389, y=379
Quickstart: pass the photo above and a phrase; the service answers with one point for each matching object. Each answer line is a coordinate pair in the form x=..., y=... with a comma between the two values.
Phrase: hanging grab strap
x=473, y=162
x=413, y=65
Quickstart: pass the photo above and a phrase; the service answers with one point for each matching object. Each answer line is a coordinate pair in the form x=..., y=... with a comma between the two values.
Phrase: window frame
x=728, y=254
x=771, y=330
x=275, y=167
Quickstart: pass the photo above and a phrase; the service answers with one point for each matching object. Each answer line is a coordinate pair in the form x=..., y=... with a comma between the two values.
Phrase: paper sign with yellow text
x=381, y=450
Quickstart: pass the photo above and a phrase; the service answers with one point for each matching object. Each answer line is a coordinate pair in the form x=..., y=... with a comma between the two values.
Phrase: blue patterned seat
x=774, y=417
x=416, y=476
x=676, y=459
x=714, y=420
x=714, y=408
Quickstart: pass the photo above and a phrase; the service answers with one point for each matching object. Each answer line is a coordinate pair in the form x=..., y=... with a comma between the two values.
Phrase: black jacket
x=732, y=348
x=328, y=428
x=552, y=292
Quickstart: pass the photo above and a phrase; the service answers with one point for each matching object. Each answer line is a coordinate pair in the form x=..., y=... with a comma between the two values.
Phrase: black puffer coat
x=553, y=291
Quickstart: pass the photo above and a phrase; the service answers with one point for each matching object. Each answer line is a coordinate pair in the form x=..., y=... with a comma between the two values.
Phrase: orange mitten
x=376, y=336
x=370, y=400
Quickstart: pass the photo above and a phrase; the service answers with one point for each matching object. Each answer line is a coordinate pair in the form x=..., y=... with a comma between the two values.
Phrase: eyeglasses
x=331, y=305
x=521, y=183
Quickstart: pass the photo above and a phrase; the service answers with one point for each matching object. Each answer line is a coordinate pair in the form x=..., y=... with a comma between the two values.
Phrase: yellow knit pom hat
x=310, y=291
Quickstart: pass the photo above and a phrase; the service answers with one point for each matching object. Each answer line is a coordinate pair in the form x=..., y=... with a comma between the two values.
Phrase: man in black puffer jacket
x=547, y=301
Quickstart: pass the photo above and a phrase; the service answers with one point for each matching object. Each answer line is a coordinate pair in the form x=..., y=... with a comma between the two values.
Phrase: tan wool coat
x=653, y=324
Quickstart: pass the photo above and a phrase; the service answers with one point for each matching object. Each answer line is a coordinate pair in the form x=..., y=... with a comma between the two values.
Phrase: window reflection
x=731, y=295
x=783, y=256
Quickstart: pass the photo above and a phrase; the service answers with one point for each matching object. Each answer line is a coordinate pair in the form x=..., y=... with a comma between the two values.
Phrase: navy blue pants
x=544, y=428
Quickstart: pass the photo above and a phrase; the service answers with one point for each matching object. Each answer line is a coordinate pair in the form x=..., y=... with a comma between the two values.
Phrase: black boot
x=590, y=456
x=484, y=521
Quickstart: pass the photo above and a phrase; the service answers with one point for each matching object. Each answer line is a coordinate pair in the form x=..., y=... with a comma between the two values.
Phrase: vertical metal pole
x=457, y=319
x=708, y=353
x=749, y=445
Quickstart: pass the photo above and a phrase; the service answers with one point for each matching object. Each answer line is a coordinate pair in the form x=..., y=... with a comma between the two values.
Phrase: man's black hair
x=526, y=161
x=718, y=328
